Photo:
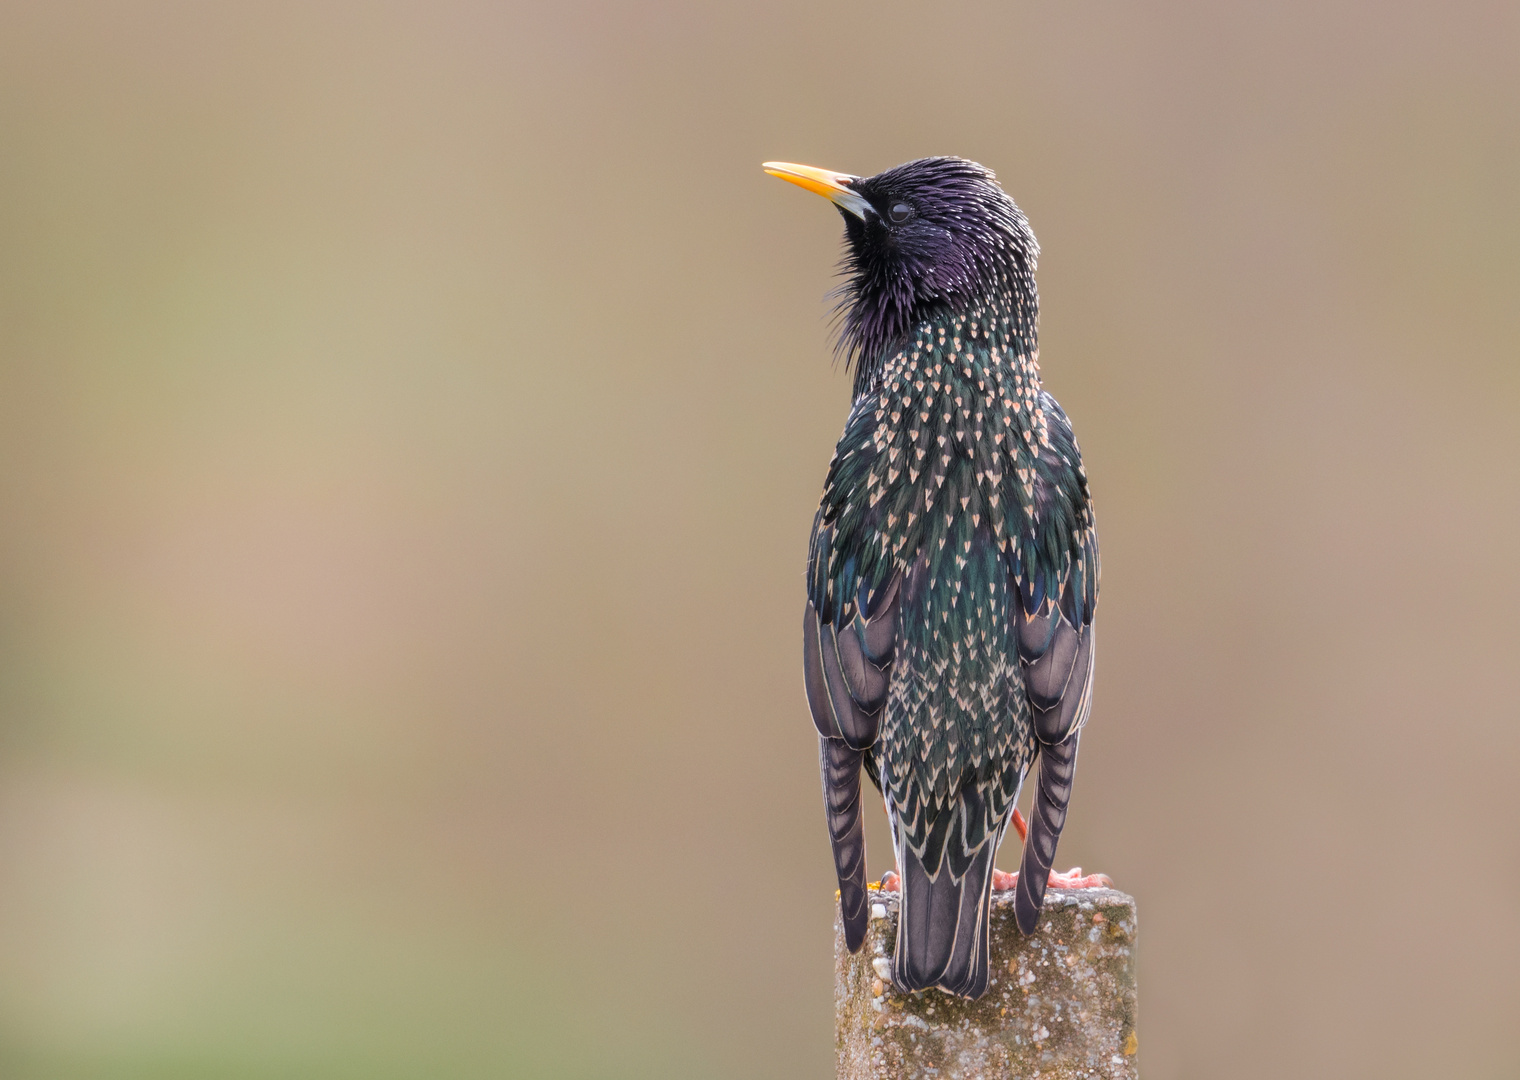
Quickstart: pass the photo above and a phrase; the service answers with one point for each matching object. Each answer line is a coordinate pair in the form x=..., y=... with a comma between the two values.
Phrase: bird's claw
x=890, y=882
x=1075, y=879
x=1072, y=879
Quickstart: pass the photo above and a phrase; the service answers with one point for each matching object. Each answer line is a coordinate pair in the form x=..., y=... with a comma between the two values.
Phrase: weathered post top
x=1061, y=1003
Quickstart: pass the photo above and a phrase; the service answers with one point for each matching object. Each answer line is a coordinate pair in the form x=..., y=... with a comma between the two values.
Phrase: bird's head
x=930, y=235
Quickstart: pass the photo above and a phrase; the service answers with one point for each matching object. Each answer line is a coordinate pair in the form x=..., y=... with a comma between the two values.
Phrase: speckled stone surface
x=1061, y=1003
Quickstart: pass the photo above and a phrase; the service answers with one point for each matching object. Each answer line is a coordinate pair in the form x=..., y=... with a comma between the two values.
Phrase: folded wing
x=846, y=670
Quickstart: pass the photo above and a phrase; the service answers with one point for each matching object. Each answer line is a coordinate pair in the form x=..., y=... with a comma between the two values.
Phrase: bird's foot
x=1072, y=879
x=1003, y=882
x=1075, y=879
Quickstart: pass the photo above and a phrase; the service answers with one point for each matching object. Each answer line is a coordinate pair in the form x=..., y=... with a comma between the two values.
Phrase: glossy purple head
x=930, y=236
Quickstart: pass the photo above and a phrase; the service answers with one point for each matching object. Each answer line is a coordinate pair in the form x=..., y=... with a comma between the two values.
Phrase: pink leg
x=1002, y=882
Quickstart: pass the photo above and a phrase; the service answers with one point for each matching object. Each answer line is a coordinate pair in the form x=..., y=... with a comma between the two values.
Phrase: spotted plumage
x=953, y=567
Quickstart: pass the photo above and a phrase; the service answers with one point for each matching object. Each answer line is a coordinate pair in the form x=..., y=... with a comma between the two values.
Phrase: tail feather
x=841, y=802
x=967, y=972
x=926, y=925
x=1058, y=765
x=942, y=933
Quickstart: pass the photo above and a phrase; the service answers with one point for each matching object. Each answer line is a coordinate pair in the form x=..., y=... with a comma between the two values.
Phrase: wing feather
x=846, y=673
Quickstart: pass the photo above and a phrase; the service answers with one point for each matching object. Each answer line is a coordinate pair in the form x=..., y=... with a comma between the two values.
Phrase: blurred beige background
x=411, y=420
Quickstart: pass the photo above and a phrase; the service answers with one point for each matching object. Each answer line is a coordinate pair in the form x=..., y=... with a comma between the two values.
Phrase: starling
x=953, y=567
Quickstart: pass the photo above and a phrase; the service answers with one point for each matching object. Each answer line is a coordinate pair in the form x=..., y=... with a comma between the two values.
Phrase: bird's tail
x=942, y=935
x=1058, y=764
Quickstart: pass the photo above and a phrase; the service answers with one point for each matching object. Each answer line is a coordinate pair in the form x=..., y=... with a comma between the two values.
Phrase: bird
x=952, y=570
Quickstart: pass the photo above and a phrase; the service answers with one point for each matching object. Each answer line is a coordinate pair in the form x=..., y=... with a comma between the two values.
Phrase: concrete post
x=1061, y=1004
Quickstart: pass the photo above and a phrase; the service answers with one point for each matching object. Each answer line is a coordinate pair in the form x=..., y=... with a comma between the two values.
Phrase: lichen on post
x=1061, y=1003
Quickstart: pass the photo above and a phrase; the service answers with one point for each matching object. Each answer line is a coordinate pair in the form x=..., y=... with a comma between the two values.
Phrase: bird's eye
x=900, y=213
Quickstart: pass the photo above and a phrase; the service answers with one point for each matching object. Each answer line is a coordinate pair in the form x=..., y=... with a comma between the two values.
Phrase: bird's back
x=955, y=496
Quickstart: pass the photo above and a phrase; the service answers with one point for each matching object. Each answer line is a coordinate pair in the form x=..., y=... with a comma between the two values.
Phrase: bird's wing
x=1056, y=573
x=847, y=661
x=1055, y=644
x=847, y=668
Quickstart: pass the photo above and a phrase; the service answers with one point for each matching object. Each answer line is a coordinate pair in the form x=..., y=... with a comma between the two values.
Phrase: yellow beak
x=831, y=185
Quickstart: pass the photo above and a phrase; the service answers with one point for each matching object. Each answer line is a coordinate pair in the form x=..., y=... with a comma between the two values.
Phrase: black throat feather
x=964, y=243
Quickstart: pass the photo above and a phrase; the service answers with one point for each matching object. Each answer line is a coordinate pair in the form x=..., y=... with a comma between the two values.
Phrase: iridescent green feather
x=957, y=474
